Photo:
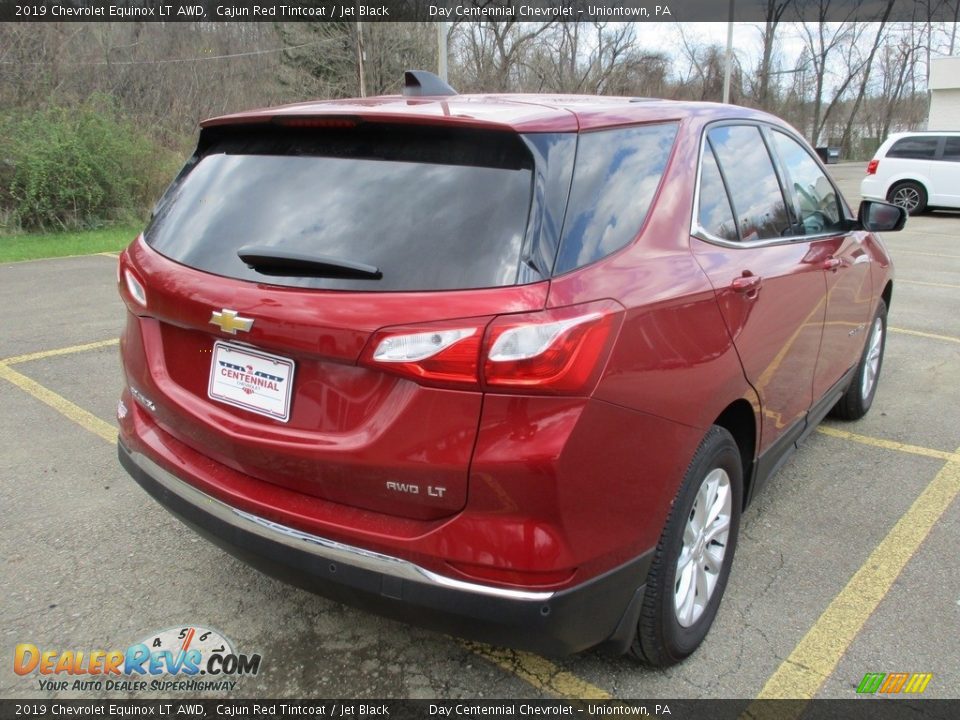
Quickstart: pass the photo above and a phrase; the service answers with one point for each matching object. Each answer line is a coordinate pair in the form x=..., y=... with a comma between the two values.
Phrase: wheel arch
x=917, y=180
x=887, y=294
x=740, y=420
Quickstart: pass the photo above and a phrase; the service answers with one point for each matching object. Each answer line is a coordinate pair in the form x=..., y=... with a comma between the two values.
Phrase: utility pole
x=361, y=76
x=729, y=60
x=442, y=50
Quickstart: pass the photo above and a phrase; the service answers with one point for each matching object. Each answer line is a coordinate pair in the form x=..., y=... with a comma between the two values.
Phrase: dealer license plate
x=252, y=380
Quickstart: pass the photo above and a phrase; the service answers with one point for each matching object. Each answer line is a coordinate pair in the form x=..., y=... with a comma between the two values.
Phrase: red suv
x=510, y=366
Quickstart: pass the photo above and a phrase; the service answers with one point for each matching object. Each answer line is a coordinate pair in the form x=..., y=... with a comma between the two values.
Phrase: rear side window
x=752, y=181
x=432, y=209
x=616, y=175
x=916, y=148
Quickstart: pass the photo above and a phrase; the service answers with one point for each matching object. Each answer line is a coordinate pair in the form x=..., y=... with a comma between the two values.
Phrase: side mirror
x=879, y=216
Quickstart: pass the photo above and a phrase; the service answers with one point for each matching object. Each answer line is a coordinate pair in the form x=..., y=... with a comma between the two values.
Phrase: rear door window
x=916, y=148
x=951, y=149
x=432, y=209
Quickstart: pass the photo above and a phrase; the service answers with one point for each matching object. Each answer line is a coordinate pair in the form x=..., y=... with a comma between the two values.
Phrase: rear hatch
x=273, y=260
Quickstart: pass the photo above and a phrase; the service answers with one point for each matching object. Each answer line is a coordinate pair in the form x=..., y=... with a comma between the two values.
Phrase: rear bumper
x=601, y=611
x=871, y=188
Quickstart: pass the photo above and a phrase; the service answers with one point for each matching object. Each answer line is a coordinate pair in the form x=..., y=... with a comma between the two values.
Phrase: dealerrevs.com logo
x=191, y=659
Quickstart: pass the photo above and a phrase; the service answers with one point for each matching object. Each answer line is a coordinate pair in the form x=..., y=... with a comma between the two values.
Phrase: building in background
x=944, y=94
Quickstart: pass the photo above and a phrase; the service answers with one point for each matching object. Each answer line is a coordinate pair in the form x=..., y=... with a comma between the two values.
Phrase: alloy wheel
x=704, y=547
x=907, y=197
x=871, y=365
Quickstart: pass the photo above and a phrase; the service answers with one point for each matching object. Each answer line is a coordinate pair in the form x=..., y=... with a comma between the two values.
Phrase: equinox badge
x=230, y=322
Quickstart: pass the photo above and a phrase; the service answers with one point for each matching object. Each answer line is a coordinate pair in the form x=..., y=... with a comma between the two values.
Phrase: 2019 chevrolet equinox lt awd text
x=510, y=366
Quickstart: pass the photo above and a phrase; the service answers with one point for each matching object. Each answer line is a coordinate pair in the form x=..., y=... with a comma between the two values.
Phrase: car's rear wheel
x=694, y=555
x=856, y=401
x=909, y=195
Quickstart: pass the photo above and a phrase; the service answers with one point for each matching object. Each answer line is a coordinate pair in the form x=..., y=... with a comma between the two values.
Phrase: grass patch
x=47, y=245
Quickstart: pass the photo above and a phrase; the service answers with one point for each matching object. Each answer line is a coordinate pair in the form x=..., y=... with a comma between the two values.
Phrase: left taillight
x=555, y=351
x=130, y=285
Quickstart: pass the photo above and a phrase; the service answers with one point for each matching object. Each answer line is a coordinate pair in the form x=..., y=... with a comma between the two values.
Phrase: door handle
x=832, y=264
x=747, y=283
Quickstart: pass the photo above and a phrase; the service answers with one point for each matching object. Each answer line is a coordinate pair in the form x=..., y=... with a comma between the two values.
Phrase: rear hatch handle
x=281, y=263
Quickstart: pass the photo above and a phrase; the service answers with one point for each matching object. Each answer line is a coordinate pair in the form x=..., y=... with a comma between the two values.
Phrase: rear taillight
x=135, y=288
x=444, y=354
x=872, y=167
x=555, y=351
x=561, y=350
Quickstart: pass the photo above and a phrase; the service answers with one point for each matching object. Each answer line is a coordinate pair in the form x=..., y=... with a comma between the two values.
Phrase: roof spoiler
x=420, y=82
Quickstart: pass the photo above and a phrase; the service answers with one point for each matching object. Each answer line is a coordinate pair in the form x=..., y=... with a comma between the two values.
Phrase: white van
x=916, y=170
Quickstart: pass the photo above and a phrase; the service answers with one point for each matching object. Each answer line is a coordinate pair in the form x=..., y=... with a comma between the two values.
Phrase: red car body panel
x=539, y=491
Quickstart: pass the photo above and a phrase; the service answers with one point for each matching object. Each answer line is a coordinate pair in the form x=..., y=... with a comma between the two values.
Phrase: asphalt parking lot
x=847, y=563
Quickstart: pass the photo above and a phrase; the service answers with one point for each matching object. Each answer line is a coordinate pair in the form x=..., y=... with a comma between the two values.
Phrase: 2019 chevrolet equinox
x=510, y=366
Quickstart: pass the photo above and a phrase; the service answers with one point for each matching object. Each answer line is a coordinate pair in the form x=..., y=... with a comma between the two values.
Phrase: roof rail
x=420, y=82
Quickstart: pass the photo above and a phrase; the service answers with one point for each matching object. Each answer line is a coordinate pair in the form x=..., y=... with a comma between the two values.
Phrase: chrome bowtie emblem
x=230, y=322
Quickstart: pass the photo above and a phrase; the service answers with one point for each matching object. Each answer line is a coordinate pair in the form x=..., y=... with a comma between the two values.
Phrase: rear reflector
x=872, y=167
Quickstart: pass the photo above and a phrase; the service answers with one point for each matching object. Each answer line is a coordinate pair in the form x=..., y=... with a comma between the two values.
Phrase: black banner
x=866, y=708
x=455, y=10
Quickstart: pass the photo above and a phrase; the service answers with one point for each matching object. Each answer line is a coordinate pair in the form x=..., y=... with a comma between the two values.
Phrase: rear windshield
x=432, y=210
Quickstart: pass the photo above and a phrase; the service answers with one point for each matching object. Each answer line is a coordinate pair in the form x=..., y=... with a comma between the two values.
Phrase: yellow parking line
x=819, y=651
x=928, y=284
x=889, y=444
x=932, y=336
x=86, y=420
x=59, y=351
x=109, y=254
x=539, y=672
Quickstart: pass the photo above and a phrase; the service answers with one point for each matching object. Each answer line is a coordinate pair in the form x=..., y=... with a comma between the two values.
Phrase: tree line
x=848, y=82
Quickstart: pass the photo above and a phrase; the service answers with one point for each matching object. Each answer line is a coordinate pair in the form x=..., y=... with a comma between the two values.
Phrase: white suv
x=916, y=170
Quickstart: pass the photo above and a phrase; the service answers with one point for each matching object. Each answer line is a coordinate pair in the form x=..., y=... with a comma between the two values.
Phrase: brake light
x=560, y=350
x=872, y=167
x=312, y=122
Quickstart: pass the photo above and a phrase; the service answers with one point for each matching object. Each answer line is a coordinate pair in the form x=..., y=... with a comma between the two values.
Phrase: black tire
x=910, y=195
x=661, y=639
x=856, y=401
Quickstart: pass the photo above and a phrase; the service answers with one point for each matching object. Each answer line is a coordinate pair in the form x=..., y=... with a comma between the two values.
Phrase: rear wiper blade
x=282, y=263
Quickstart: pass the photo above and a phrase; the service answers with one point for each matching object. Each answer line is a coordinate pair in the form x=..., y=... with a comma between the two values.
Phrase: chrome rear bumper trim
x=319, y=546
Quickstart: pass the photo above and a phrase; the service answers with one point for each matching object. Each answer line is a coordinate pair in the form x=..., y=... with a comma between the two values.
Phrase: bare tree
x=774, y=11
x=865, y=67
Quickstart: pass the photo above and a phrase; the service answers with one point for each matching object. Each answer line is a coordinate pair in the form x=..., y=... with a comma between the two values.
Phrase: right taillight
x=561, y=350
x=555, y=351
x=872, y=167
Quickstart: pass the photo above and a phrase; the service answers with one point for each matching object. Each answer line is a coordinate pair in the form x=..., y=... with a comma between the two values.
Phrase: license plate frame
x=251, y=379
